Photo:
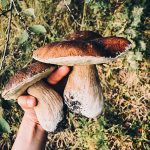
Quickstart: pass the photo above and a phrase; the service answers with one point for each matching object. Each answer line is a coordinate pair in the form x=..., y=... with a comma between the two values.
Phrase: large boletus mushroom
x=83, y=94
x=49, y=109
x=83, y=35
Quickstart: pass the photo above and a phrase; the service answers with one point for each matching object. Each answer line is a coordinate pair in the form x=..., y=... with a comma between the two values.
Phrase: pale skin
x=31, y=135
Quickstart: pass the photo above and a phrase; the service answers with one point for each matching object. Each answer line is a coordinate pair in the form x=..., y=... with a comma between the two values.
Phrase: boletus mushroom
x=49, y=109
x=83, y=35
x=83, y=94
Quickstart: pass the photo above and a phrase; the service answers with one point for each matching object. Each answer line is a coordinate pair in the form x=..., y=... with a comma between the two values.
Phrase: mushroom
x=83, y=94
x=83, y=35
x=49, y=109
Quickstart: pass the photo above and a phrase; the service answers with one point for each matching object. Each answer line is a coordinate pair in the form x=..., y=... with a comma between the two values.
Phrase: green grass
x=124, y=123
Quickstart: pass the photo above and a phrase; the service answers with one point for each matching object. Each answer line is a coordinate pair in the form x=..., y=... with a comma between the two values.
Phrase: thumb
x=27, y=102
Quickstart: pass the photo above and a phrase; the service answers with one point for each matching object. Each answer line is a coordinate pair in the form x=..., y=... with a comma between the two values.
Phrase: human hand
x=31, y=135
x=28, y=102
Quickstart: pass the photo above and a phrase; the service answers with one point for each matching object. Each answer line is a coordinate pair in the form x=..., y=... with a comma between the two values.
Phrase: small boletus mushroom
x=49, y=109
x=83, y=94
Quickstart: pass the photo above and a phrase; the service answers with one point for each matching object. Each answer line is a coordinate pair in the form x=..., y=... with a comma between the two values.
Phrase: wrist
x=31, y=133
x=32, y=127
x=32, y=122
x=30, y=116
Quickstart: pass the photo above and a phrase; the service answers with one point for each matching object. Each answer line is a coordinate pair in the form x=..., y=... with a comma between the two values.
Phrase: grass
x=124, y=123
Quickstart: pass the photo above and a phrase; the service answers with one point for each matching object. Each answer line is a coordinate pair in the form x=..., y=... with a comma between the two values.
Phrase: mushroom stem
x=83, y=93
x=49, y=109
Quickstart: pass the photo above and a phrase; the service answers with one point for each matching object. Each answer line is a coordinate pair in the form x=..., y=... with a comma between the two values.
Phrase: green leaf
x=23, y=38
x=4, y=4
x=38, y=29
x=27, y=47
x=29, y=12
x=130, y=56
x=134, y=65
x=87, y=1
x=138, y=56
x=4, y=126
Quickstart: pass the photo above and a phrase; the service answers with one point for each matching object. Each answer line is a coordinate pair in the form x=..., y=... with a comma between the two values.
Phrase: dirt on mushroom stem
x=83, y=94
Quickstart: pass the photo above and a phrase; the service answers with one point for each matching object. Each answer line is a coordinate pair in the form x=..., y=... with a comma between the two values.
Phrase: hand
x=28, y=102
x=31, y=135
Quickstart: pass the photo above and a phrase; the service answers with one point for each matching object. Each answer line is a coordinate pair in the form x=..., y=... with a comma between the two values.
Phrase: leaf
x=23, y=38
x=130, y=56
x=4, y=126
x=4, y=4
x=38, y=29
x=134, y=65
x=87, y=1
x=27, y=47
x=138, y=56
x=29, y=12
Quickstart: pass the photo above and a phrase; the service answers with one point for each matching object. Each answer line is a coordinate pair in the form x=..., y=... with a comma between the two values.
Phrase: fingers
x=27, y=102
x=56, y=76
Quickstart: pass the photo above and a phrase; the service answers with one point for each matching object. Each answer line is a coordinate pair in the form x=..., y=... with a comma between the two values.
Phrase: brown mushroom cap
x=97, y=51
x=113, y=46
x=83, y=35
x=25, y=78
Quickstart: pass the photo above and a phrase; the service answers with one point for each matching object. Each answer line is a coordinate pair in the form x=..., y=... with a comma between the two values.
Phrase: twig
x=83, y=17
x=4, y=12
x=8, y=34
x=20, y=17
x=21, y=21
x=71, y=14
x=114, y=13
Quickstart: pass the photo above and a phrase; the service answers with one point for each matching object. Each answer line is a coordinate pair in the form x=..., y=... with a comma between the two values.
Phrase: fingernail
x=30, y=103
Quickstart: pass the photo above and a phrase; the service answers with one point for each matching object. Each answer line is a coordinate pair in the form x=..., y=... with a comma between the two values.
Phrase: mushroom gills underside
x=20, y=88
x=78, y=60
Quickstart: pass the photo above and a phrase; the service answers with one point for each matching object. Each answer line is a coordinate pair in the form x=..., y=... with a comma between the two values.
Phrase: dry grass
x=124, y=124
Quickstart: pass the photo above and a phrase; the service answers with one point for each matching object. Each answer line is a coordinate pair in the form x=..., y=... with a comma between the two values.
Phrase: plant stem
x=71, y=14
x=83, y=17
x=8, y=35
x=5, y=12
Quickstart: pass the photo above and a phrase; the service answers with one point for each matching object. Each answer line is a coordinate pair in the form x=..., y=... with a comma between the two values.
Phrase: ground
x=124, y=123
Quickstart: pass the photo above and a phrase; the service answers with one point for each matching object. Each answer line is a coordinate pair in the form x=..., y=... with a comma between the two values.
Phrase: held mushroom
x=49, y=109
x=50, y=105
x=83, y=93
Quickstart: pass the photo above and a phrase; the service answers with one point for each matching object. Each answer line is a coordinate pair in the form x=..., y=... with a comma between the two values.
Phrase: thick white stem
x=49, y=109
x=83, y=93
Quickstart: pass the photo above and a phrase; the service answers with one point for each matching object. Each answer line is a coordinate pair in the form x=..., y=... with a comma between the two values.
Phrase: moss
x=124, y=123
